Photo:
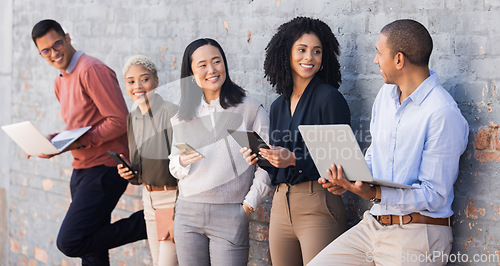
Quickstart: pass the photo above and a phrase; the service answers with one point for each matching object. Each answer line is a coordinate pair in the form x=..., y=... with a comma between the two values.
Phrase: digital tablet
x=252, y=140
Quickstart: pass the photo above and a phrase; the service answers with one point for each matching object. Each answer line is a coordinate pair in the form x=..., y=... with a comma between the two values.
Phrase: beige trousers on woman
x=305, y=218
x=163, y=252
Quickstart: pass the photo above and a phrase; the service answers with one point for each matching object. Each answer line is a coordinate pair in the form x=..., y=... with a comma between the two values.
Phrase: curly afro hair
x=277, y=67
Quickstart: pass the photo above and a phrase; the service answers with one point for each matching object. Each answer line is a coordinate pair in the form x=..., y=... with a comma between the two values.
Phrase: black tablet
x=252, y=140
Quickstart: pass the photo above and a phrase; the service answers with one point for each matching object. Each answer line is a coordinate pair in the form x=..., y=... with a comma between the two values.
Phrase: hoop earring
x=321, y=68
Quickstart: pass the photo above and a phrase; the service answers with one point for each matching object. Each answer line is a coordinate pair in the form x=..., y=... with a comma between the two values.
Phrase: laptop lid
x=337, y=144
x=33, y=142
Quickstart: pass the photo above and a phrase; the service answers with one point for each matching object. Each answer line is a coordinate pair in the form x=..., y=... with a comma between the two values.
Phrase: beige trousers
x=162, y=252
x=370, y=243
x=305, y=218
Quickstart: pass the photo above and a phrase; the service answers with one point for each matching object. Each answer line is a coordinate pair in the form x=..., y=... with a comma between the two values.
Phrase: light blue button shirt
x=418, y=142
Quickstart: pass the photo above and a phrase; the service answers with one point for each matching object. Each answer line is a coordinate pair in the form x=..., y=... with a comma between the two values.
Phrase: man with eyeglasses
x=90, y=95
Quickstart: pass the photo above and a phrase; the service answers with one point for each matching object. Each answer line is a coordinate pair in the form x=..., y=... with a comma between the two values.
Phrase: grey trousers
x=211, y=234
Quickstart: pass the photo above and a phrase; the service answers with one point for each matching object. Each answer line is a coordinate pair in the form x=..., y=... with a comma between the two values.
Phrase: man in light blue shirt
x=418, y=136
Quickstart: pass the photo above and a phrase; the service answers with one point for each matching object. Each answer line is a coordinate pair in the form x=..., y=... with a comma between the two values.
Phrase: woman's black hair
x=230, y=94
x=277, y=67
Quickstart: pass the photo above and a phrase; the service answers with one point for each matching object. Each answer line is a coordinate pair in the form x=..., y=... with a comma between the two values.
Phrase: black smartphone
x=188, y=148
x=120, y=160
x=252, y=140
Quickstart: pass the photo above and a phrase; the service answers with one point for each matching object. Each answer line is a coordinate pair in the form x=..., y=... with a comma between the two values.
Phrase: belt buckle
x=379, y=219
x=391, y=222
x=149, y=188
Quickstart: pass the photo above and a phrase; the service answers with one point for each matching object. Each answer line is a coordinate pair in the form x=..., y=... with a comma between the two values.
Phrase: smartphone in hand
x=188, y=148
x=252, y=140
x=120, y=160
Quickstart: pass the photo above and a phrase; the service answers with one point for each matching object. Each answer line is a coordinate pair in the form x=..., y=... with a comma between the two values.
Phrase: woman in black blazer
x=301, y=63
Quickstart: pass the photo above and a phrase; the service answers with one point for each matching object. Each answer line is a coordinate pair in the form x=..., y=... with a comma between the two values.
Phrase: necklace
x=297, y=94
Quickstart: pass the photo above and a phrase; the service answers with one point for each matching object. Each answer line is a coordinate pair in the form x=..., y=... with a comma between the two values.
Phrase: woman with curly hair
x=301, y=63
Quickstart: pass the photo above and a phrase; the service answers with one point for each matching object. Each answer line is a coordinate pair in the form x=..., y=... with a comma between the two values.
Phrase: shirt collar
x=74, y=61
x=421, y=91
x=425, y=88
x=395, y=93
x=213, y=103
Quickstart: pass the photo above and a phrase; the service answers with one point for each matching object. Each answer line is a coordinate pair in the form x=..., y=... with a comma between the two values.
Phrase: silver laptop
x=27, y=136
x=329, y=144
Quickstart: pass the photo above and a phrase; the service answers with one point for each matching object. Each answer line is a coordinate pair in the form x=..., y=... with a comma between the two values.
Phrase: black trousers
x=86, y=231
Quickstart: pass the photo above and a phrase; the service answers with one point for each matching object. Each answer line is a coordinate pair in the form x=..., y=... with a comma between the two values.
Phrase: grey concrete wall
x=3, y=226
x=466, y=56
x=5, y=107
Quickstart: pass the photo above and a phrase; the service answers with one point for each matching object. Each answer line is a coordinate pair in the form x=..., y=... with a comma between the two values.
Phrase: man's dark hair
x=410, y=38
x=277, y=67
x=44, y=26
x=230, y=93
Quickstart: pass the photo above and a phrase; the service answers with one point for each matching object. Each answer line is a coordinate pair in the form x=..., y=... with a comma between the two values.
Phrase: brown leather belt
x=155, y=188
x=412, y=218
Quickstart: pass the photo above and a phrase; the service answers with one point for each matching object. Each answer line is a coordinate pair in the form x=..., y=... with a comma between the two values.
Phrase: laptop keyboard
x=60, y=143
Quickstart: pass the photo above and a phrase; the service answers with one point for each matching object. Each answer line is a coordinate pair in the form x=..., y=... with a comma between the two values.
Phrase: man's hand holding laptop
x=338, y=184
x=73, y=146
x=43, y=155
x=47, y=156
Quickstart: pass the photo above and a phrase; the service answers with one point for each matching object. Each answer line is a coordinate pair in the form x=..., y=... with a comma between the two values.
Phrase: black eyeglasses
x=56, y=47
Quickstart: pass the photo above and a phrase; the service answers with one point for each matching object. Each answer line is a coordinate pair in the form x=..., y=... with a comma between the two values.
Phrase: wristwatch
x=378, y=195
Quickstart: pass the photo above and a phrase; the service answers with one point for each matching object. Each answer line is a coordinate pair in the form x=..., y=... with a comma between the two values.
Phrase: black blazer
x=320, y=104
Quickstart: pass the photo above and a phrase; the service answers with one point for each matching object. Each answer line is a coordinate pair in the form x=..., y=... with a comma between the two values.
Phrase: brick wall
x=487, y=143
x=6, y=80
x=466, y=56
